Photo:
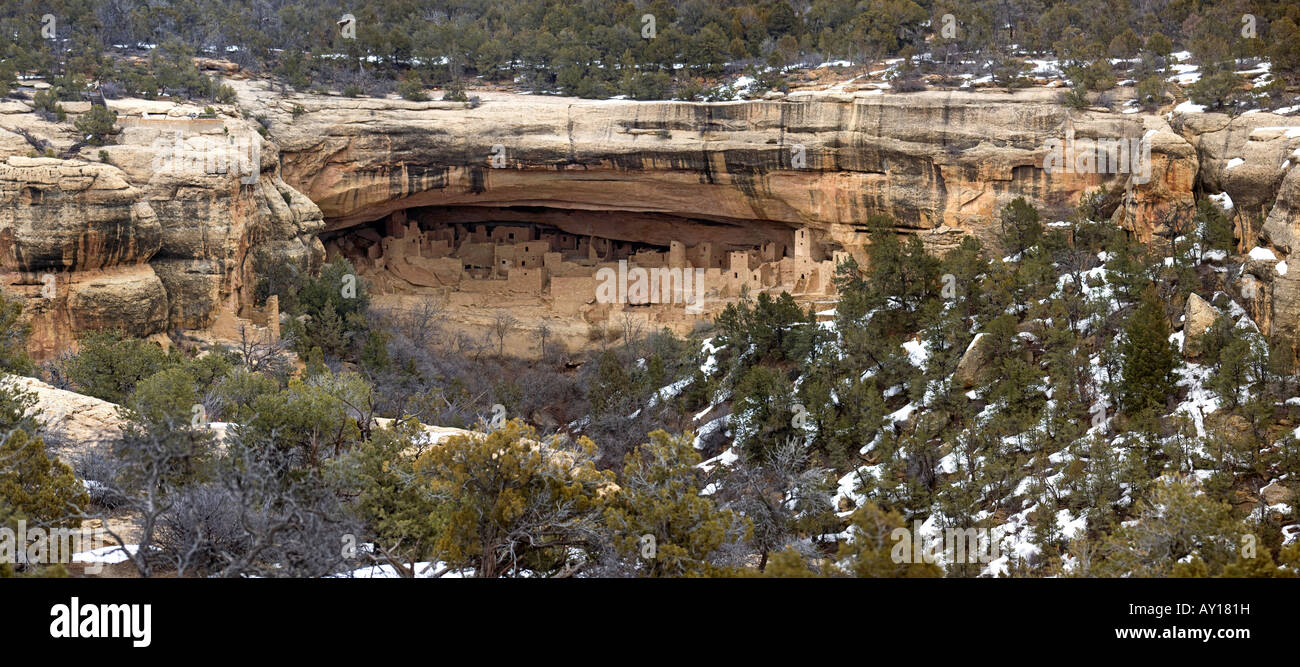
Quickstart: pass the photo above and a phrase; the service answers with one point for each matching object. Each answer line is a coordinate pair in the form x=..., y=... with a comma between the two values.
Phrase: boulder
x=1275, y=493
x=72, y=424
x=1198, y=316
x=974, y=361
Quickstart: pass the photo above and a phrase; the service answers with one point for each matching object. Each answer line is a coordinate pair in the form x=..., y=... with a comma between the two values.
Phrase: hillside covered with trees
x=681, y=49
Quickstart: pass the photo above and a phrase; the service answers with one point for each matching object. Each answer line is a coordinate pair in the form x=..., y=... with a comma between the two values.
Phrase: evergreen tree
x=878, y=548
x=1021, y=228
x=1149, y=357
x=659, y=496
x=515, y=502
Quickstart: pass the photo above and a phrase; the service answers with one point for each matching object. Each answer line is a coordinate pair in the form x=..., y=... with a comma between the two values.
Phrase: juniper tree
x=659, y=523
x=35, y=488
x=404, y=515
x=516, y=502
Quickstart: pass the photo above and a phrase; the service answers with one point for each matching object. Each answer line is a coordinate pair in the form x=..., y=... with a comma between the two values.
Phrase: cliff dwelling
x=581, y=274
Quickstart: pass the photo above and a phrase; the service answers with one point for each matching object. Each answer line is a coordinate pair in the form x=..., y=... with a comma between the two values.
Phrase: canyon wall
x=143, y=236
x=114, y=239
x=941, y=163
x=1251, y=159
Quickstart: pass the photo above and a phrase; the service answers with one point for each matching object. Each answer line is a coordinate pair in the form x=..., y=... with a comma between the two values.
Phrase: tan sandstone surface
x=132, y=245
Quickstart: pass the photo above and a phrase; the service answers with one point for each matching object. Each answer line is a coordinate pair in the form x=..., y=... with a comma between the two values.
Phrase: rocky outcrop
x=1247, y=157
x=973, y=363
x=70, y=423
x=136, y=240
x=1198, y=316
x=1276, y=300
x=941, y=163
x=1251, y=159
x=1275, y=493
x=169, y=227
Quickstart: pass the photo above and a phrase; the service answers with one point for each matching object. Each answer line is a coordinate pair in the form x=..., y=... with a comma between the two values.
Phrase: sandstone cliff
x=941, y=163
x=112, y=239
x=165, y=229
x=1251, y=158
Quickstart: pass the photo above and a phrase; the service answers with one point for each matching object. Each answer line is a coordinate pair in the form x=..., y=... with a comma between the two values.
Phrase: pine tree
x=878, y=548
x=13, y=338
x=1021, y=228
x=1149, y=357
x=1214, y=227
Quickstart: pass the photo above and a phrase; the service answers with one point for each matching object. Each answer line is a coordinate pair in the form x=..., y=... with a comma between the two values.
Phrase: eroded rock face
x=941, y=163
x=169, y=228
x=1276, y=293
x=1250, y=158
x=1244, y=156
x=144, y=245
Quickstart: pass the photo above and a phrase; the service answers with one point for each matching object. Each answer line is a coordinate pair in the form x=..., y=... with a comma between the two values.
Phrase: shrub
x=1151, y=92
x=109, y=366
x=1075, y=98
x=413, y=90
x=96, y=125
x=454, y=92
x=47, y=106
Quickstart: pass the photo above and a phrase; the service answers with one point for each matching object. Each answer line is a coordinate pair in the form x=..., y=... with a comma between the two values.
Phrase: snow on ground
x=423, y=570
x=726, y=459
x=711, y=363
x=847, y=493
x=916, y=353
x=669, y=391
x=1224, y=201
x=1200, y=401
x=902, y=414
x=710, y=428
x=1291, y=131
x=1045, y=67
x=1262, y=254
x=107, y=555
x=1188, y=107
x=1185, y=74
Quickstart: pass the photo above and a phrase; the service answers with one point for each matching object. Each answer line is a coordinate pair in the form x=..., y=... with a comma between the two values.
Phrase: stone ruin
x=565, y=270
